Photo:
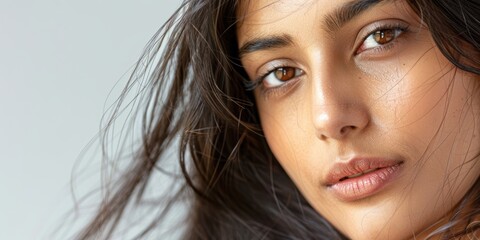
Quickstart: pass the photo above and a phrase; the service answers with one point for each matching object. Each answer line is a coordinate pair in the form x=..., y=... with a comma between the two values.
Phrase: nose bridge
x=337, y=110
x=323, y=75
x=327, y=99
x=325, y=91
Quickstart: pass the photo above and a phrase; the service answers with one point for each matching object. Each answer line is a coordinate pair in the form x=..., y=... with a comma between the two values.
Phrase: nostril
x=344, y=130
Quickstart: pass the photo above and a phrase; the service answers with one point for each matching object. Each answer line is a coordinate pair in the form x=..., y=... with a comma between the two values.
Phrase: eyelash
x=402, y=28
x=258, y=82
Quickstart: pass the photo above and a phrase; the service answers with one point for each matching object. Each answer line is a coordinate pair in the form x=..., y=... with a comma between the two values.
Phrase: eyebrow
x=340, y=16
x=264, y=43
x=333, y=21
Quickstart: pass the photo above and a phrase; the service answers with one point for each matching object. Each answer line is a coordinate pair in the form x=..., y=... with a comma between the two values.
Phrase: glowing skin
x=376, y=87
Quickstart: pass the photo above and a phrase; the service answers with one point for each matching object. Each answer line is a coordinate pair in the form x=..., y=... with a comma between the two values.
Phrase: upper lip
x=342, y=170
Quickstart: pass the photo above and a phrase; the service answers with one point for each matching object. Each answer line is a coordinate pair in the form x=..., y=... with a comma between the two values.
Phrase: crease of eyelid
x=282, y=82
x=378, y=49
x=405, y=27
x=253, y=84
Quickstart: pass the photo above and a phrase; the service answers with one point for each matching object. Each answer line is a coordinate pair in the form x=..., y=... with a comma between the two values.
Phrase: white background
x=58, y=62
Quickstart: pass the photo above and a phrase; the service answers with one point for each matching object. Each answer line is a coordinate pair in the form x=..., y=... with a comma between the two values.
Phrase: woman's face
x=372, y=123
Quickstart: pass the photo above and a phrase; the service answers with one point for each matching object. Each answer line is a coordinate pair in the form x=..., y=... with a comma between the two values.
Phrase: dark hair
x=195, y=97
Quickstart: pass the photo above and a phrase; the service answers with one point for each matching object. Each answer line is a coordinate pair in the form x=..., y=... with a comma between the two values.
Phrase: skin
x=346, y=97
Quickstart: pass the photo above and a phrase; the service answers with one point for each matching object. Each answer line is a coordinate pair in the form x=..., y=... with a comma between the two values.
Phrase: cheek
x=419, y=99
x=435, y=115
x=290, y=138
x=281, y=129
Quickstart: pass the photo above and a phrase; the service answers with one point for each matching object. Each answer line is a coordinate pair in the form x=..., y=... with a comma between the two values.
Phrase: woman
x=315, y=120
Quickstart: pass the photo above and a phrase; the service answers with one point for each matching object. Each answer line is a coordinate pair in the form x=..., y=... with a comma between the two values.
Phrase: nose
x=338, y=111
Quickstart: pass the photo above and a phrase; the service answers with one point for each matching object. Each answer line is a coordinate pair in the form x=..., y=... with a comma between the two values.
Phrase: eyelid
x=277, y=82
x=365, y=32
x=267, y=69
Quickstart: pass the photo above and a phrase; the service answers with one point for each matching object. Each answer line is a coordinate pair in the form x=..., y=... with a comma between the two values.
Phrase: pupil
x=285, y=74
x=384, y=36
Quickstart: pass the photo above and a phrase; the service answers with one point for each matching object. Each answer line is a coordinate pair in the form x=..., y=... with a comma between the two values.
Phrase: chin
x=388, y=220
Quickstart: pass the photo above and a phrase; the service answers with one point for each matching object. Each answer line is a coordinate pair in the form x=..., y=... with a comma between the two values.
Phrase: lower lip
x=364, y=186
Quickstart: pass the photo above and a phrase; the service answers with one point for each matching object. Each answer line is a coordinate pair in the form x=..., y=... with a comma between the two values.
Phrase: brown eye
x=379, y=38
x=280, y=76
x=384, y=36
x=285, y=73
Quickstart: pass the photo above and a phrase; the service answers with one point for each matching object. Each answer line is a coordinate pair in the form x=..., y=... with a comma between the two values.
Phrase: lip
x=361, y=177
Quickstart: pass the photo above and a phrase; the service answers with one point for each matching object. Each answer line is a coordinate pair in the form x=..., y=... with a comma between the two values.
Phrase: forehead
x=266, y=17
x=260, y=15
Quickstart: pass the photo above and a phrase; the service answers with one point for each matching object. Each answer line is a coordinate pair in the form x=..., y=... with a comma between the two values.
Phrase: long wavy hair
x=195, y=101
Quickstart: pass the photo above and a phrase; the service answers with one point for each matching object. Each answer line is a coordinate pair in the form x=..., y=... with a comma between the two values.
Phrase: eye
x=280, y=76
x=379, y=38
